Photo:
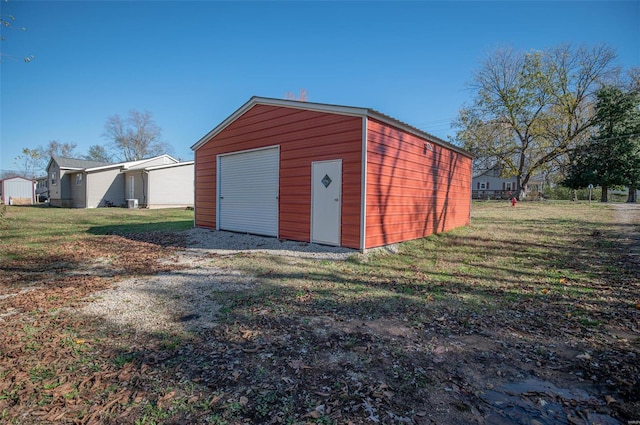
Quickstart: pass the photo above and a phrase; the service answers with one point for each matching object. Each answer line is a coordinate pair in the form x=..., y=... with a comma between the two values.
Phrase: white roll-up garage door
x=248, y=191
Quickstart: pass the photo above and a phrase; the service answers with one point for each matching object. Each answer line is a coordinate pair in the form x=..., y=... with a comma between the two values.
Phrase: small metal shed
x=18, y=191
x=329, y=174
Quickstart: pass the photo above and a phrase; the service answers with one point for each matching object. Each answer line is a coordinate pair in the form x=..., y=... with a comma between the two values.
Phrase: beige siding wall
x=139, y=189
x=106, y=185
x=60, y=193
x=78, y=193
x=170, y=187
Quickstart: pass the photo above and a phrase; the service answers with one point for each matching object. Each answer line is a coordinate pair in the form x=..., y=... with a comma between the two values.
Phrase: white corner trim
x=363, y=187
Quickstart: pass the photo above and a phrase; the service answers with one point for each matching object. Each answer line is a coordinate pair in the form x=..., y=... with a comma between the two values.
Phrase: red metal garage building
x=329, y=174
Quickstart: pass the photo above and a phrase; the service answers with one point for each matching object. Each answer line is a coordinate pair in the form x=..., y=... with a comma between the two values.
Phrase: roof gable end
x=143, y=163
x=309, y=106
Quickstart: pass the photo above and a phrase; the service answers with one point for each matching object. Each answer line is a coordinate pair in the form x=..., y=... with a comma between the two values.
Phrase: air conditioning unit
x=132, y=203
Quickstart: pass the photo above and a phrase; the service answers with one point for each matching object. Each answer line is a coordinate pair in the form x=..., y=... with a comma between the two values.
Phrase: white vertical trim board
x=217, y=194
x=363, y=187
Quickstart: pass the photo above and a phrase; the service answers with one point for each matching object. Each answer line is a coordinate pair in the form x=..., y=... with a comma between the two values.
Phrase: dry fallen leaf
x=314, y=414
x=439, y=350
x=297, y=365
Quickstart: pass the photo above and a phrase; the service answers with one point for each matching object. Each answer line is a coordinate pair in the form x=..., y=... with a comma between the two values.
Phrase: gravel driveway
x=186, y=298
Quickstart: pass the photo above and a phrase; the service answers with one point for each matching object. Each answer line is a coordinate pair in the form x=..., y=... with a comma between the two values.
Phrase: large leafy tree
x=613, y=155
x=530, y=109
x=135, y=137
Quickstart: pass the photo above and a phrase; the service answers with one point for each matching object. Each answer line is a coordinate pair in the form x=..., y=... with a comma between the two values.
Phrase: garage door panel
x=248, y=192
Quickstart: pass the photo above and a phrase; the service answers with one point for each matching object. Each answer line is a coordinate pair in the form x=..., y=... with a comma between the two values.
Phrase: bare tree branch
x=135, y=137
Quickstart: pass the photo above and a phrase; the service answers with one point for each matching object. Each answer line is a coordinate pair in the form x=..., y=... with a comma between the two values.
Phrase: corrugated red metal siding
x=303, y=137
x=412, y=191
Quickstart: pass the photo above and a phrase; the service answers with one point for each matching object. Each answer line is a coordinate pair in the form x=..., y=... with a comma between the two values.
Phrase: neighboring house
x=17, y=191
x=489, y=185
x=77, y=183
x=329, y=174
x=161, y=186
x=66, y=189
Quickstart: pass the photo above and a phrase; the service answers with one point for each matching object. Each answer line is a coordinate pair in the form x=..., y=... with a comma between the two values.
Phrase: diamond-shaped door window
x=326, y=180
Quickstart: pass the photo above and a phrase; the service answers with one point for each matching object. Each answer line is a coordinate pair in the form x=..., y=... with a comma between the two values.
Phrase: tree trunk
x=574, y=195
x=605, y=194
x=632, y=196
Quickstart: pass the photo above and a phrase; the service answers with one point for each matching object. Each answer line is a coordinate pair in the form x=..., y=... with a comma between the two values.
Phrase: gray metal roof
x=330, y=108
x=77, y=164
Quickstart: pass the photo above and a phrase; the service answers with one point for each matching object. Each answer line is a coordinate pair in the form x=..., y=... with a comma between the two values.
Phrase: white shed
x=17, y=191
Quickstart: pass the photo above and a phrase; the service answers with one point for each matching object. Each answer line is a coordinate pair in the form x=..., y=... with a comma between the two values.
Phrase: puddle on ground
x=538, y=402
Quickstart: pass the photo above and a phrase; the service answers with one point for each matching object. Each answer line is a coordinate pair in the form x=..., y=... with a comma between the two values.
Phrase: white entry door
x=326, y=200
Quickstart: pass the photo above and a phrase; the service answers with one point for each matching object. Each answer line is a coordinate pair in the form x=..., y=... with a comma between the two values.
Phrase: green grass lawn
x=535, y=251
x=29, y=230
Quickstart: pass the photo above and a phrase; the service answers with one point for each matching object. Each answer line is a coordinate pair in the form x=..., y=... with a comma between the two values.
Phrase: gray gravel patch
x=187, y=299
x=174, y=301
x=205, y=241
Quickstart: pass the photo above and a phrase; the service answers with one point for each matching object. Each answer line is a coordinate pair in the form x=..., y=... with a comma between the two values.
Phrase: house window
x=53, y=178
x=482, y=185
x=78, y=179
x=509, y=186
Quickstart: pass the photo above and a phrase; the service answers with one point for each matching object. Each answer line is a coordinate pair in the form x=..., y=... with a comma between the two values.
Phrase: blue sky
x=191, y=64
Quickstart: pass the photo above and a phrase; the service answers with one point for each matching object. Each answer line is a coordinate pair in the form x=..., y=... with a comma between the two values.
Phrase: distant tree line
x=129, y=138
x=563, y=111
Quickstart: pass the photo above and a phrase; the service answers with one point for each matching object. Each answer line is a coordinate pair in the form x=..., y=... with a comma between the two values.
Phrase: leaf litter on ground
x=433, y=334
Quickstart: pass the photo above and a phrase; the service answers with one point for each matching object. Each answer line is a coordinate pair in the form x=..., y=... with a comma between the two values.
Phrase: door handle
x=337, y=199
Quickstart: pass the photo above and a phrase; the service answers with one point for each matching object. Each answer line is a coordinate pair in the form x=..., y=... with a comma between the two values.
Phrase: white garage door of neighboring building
x=248, y=191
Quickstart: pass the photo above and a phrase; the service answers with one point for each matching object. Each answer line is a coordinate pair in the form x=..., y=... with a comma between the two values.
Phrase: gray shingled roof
x=76, y=163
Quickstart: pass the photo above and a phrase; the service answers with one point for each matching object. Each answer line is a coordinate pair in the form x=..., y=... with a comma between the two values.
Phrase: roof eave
x=329, y=108
x=164, y=166
x=416, y=131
